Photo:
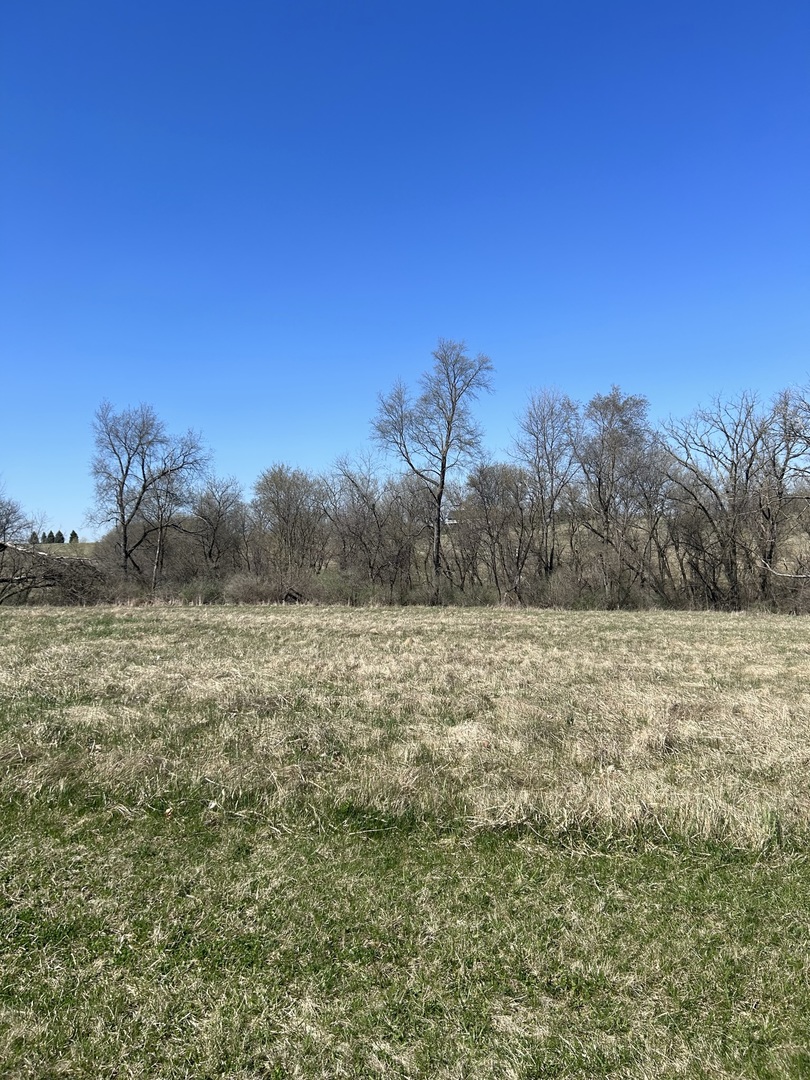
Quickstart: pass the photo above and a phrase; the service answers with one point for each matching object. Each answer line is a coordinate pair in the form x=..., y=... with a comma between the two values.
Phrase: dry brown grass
x=687, y=723
x=219, y=854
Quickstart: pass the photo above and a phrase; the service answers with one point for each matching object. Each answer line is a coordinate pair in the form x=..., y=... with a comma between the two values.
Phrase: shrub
x=249, y=589
x=202, y=591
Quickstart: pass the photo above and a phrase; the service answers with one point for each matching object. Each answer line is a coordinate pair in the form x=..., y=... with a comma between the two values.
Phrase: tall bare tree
x=545, y=446
x=503, y=500
x=614, y=447
x=782, y=495
x=289, y=510
x=435, y=432
x=716, y=470
x=219, y=523
x=140, y=472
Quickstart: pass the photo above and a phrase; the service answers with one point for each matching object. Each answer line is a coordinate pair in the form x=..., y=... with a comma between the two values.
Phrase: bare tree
x=14, y=529
x=717, y=457
x=503, y=501
x=141, y=476
x=435, y=432
x=15, y=525
x=161, y=513
x=545, y=446
x=218, y=523
x=614, y=448
x=288, y=506
x=378, y=523
x=361, y=507
x=782, y=490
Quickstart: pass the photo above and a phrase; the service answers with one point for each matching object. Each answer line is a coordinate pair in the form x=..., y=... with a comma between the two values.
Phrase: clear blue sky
x=256, y=215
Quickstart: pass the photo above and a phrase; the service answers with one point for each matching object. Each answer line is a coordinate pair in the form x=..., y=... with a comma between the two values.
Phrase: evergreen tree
x=74, y=537
x=59, y=538
x=50, y=538
x=34, y=539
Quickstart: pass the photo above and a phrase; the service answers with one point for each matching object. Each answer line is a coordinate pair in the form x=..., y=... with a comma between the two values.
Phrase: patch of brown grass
x=687, y=722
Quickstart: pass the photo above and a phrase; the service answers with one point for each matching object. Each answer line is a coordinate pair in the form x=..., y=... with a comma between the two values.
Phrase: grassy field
x=315, y=842
x=83, y=549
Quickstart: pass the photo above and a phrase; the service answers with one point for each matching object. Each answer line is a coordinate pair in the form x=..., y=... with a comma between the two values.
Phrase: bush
x=201, y=591
x=249, y=589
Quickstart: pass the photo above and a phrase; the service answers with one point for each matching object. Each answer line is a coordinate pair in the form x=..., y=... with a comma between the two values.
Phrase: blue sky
x=255, y=216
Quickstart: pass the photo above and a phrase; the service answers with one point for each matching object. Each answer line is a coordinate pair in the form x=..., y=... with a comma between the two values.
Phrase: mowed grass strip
x=330, y=843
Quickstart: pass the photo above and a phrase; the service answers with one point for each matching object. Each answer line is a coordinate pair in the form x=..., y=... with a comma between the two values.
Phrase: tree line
x=52, y=537
x=594, y=506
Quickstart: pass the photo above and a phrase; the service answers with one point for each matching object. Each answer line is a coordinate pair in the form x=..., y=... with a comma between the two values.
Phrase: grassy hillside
x=320, y=842
x=84, y=549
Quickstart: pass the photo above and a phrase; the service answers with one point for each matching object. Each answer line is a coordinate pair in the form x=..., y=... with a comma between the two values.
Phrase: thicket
x=593, y=506
x=594, y=509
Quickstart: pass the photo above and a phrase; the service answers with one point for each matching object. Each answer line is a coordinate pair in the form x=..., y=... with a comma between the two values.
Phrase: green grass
x=329, y=843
